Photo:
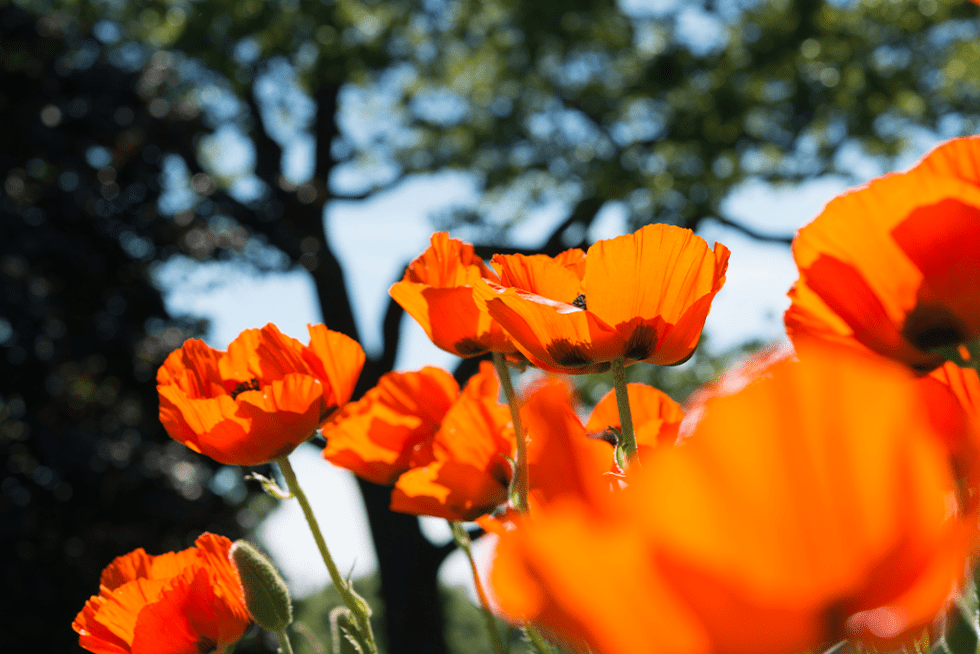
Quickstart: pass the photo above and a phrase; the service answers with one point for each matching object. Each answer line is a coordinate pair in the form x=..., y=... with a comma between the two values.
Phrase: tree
x=89, y=474
x=590, y=106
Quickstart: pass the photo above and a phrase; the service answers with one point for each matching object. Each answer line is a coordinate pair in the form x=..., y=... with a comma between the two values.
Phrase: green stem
x=539, y=644
x=284, y=645
x=521, y=480
x=357, y=605
x=463, y=540
x=625, y=416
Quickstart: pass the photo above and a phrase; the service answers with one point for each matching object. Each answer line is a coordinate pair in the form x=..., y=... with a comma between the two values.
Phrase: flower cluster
x=822, y=492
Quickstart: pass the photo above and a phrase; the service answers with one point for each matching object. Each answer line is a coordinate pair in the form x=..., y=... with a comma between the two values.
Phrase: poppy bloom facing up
x=184, y=602
x=437, y=291
x=259, y=400
x=639, y=297
x=745, y=540
x=446, y=451
x=895, y=264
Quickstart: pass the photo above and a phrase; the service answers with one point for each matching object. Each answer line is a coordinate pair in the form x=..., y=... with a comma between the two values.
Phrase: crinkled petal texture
x=466, y=472
x=259, y=400
x=177, y=603
x=656, y=416
x=817, y=503
x=376, y=436
x=641, y=297
x=895, y=265
x=438, y=292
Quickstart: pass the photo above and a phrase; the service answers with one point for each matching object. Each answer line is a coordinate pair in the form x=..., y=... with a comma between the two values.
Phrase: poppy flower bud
x=266, y=594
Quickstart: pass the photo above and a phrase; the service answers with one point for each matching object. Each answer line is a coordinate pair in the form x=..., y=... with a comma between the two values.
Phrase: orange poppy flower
x=177, y=603
x=376, y=436
x=817, y=503
x=259, y=400
x=437, y=291
x=464, y=471
x=445, y=451
x=656, y=416
x=895, y=264
x=639, y=297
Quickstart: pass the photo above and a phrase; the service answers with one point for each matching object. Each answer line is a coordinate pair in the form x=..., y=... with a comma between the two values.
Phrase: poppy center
x=579, y=301
x=609, y=435
x=929, y=326
x=206, y=645
x=241, y=387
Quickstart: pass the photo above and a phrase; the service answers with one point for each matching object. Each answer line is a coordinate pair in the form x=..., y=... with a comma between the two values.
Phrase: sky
x=374, y=240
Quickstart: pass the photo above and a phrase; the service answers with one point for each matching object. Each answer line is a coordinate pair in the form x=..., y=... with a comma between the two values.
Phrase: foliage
x=594, y=106
x=465, y=629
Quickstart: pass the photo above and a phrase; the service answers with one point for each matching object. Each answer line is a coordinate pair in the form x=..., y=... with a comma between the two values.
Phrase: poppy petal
x=554, y=336
x=438, y=291
x=376, y=436
x=188, y=619
x=449, y=489
x=341, y=359
x=562, y=460
x=576, y=592
x=651, y=279
x=943, y=240
x=276, y=419
x=911, y=238
x=465, y=473
x=192, y=421
x=541, y=275
x=180, y=602
x=847, y=515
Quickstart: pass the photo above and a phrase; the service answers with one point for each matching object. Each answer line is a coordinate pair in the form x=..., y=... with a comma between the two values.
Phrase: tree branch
x=751, y=233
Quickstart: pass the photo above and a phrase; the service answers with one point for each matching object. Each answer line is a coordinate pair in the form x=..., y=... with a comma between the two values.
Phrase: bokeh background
x=179, y=168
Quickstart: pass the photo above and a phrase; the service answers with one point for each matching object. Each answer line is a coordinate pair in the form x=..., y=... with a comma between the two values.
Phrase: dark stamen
x=933, y=325
x=609, y=435
x=579, y=301
x=251, y=385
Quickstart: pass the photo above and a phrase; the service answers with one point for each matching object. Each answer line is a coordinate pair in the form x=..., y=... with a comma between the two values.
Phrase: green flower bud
x=266, y=595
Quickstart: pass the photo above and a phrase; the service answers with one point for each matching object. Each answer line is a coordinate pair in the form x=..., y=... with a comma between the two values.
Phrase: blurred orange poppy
x=817, y=503
x=656, y=416
x=376, y=436
x=177, y=603
x=895, y=264
x=437, y=291
x=639, y=297
x=259, y=400
x=465, y=470
x=563, y=459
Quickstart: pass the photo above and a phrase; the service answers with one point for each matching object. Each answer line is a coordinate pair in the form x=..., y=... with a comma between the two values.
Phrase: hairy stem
x=625, y=416
x=520, y=482
x=359, y=608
